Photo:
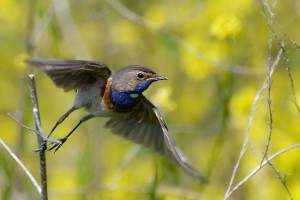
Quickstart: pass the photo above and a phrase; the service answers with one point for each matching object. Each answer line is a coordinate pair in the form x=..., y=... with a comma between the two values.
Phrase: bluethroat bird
x=118, y=96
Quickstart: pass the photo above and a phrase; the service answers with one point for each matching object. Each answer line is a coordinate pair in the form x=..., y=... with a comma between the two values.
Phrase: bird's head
x=134, y=79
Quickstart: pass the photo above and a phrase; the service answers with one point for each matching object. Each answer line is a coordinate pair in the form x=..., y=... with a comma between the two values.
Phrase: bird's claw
x=56, y=146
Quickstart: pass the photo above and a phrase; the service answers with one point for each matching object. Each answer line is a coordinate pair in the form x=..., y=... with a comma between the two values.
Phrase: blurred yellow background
x=216, y=54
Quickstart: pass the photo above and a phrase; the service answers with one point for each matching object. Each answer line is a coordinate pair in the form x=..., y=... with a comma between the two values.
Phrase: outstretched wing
x=71, y=74
x=144, y=125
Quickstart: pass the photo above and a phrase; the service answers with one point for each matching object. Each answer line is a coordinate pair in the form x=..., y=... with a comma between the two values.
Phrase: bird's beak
x=157, y=78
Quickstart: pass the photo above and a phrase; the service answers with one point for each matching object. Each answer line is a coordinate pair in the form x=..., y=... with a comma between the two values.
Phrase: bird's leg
x=56, y=146
x=43, y=146
x=61, y=119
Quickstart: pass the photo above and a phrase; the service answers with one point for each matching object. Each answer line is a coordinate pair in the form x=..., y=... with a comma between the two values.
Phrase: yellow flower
x=225, y=26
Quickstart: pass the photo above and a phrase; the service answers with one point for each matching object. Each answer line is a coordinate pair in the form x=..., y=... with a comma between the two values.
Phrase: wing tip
x=201, y=177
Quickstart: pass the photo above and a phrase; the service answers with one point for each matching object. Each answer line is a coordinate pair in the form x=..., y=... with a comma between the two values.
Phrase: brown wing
x=145, y=126
x=71, y=74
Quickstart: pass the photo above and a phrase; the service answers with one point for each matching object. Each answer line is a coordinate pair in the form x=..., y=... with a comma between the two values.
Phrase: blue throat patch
x=127, y=100
x=124, y=100
x=143, y=86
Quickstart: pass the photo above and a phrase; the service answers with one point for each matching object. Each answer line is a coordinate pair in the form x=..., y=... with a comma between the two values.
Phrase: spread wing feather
x=71, y=74
x=144, y=125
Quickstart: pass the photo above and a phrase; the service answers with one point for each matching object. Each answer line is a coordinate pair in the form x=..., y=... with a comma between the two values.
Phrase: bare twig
x=269, y=100
x=43, y=171
x=21, y=124
x=30, y=176
x=294, y=98
x=285, y=53
x=251, y=117
x=281, y=45
x=258, y=168
x=286, y=59
x=55, y=141
x=273, y=16
x=282, y=180
x=268, y=82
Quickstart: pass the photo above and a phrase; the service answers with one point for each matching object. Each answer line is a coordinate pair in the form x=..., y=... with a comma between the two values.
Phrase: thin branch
x=282, y=180
x=30, y=176
x=269, y=100
x=43, y=170
x=273, y=16
x=21, y=124
x=281, y=45
x=282, y=50
x=294, y=98
x=251, y=117
x=285, y=53
x=55, y=141
x=258, y=168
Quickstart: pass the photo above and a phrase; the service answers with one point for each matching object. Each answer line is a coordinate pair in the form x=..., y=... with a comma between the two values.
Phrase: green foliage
x=215, y=54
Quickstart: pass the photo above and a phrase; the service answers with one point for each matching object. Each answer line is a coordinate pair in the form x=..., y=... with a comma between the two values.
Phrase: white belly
x=89, y=97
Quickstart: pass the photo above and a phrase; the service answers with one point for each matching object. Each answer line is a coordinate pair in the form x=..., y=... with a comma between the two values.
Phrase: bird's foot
x=54, y=142
x=56, y=146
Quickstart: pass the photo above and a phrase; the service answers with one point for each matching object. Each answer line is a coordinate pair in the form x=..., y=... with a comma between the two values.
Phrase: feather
x=71, y=74
x=144, y=125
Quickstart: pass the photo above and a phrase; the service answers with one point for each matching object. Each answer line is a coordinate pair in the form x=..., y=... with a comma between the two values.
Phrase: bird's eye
x=140, y=76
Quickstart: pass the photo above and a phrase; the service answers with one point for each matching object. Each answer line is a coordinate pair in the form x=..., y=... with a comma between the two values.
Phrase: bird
x=117, y=95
